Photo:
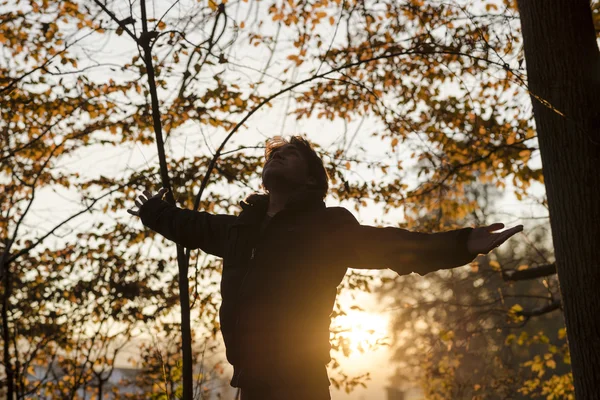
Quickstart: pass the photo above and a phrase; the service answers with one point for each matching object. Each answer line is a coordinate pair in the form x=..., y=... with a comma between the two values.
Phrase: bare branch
x=49, y=233
x=536, y=312
x=527, y=274
x=117, y=20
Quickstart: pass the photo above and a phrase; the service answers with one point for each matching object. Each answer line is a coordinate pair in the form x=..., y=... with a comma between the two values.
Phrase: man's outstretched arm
x=403, y=251
x=191, y=229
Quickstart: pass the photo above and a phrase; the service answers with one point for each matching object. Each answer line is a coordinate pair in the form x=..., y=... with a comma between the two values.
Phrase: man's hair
x=316, y=170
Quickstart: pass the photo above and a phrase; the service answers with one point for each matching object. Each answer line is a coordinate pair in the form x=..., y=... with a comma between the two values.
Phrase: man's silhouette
x=283, y=257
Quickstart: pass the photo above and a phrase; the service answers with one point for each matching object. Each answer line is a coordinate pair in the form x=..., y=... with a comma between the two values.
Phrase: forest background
x=422, y=112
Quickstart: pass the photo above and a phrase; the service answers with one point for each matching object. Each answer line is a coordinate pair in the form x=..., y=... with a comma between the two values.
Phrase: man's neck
x=277, y=201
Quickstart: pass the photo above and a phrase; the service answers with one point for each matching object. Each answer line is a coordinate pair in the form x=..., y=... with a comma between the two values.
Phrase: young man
x=283, y=257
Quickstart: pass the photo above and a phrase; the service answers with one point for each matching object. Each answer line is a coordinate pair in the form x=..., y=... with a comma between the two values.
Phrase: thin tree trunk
x=8, y=368
x=563, y=68
x=100, y=388
x=182, y=260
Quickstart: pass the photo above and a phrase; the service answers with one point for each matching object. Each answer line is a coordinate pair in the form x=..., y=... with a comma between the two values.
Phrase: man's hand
x=143, y=198
x=482, y=240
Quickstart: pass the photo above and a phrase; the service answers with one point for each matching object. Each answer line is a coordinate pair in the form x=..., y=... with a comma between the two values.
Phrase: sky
x=112, y=161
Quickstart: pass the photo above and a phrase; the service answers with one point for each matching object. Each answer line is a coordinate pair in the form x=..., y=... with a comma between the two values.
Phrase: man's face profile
x=285, y=167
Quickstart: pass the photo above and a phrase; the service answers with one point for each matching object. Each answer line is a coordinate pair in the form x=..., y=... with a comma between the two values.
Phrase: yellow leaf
x=446, y=335
x=242, y=24
x=522, y=338
x=516, y=308
x=510, y=338
x=495, y=265
x=530, y=133
x=511, y=138
x=295, y=58
x=213, y=5
x=562, y=333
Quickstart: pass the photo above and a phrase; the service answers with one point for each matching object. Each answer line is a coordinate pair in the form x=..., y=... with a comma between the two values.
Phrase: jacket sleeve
x=191, y=229
x=403, y=251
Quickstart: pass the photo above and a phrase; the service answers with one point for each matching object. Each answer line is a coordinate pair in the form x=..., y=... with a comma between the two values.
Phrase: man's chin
x=272, y=173
x=278, y=182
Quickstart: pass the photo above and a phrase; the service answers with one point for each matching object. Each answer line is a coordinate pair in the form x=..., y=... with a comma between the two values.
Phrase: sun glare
x=362, y=330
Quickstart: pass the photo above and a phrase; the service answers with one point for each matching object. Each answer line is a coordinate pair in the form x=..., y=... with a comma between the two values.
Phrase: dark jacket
x=278, y=286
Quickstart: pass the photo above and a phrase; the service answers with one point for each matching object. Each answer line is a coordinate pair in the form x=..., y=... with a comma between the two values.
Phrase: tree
x=563, y=64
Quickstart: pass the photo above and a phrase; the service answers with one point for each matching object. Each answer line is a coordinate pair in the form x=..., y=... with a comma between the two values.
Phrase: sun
x=362, y=331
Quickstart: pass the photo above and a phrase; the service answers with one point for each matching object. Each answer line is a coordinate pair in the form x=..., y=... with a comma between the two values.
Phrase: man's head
x=291, y=164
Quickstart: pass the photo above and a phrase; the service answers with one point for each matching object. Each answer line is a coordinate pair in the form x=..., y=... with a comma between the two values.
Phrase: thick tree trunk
x=563, y=68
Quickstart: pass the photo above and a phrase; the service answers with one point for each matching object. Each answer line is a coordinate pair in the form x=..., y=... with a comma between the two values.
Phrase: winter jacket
x=278, y=285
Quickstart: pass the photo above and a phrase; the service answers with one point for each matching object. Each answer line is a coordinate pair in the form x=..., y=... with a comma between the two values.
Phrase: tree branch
x=536, y=312
x=117, y=20
x=41, y=239
x=528, y=274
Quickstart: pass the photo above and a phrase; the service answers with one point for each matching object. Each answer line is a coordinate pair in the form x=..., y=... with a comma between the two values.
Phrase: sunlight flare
x=363, y=330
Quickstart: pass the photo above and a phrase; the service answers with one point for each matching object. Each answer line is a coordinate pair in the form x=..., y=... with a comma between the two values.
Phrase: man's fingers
x=513, y=230
x=161, y=193
x=143, y=198
x=519, y=228
x=504, y=236
x=494, y=227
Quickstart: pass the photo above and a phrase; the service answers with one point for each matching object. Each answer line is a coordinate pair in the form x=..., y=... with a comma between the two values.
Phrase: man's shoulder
x=340, y=215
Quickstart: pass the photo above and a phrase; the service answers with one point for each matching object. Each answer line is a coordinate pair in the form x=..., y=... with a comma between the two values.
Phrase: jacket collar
x=255, y=205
